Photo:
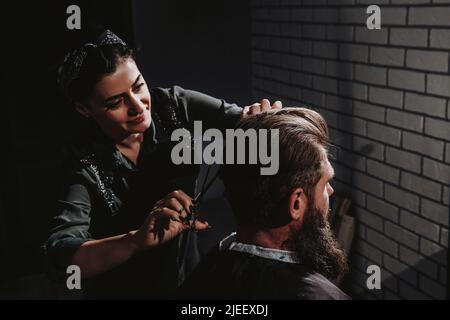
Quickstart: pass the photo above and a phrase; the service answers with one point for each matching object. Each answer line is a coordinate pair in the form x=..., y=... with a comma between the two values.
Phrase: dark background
x=198, y=44
x=201, y=45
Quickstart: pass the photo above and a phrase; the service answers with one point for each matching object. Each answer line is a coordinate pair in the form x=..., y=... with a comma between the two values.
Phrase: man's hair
x=303, y=144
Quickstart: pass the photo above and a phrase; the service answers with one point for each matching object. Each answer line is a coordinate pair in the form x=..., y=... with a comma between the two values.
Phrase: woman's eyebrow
x=123, y=93
x=137, y=79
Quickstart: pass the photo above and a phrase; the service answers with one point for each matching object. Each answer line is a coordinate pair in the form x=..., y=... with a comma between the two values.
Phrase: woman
x=109, y=221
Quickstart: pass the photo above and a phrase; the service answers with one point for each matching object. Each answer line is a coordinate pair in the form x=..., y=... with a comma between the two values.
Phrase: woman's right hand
x=165, y=221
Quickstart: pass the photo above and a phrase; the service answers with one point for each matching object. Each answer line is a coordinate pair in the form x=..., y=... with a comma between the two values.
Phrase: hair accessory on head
x=73, y=61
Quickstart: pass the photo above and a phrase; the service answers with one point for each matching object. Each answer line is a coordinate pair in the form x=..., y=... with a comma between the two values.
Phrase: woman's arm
x=98, y=256
x=70, y=226
x=189, y=106
x=70, y=241
x=216, y=113
x=162, y=224
x=213, y=112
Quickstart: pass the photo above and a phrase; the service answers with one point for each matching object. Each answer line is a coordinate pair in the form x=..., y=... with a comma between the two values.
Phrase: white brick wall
x=385, y=94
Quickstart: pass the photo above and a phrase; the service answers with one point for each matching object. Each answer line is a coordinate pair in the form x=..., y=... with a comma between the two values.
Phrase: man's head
x=294, y=203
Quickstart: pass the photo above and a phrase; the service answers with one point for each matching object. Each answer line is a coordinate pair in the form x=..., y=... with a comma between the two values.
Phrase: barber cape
x=235, y=270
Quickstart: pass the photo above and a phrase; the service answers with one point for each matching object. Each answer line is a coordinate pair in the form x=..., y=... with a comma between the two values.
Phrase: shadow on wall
x=416, y=281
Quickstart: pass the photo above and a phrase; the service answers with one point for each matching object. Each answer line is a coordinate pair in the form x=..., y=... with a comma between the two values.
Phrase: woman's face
x=120, y=103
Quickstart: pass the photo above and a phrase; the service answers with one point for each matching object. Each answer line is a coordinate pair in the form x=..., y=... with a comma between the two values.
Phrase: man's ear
x=298, y=202
x=83, y=110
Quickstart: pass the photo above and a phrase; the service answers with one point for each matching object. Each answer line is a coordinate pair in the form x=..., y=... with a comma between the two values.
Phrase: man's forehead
x=327, y=168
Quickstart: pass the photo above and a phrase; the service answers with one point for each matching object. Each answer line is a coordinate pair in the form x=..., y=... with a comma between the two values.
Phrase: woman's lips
x=138, y=120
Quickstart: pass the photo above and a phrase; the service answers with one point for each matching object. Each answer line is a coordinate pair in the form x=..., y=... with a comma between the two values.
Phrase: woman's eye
x=138, y=87
x=114, y=104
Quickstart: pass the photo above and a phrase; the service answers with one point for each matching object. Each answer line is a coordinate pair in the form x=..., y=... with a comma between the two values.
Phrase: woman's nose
x=135, y=105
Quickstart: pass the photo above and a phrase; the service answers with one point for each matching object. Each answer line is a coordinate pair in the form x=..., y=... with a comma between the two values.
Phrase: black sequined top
x=105, y=194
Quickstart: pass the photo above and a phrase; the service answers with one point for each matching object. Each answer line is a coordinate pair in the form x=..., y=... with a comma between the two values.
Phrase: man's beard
x=317, y=247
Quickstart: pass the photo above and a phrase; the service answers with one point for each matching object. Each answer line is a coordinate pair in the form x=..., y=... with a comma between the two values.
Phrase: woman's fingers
x=183, y=199
x=201, y=225
x=256, y=108
x=177, y=200
x=265, y=105
x=169, y=215
x=277, y=105
x=166, y=224
x=259, y=107
x=176, y=205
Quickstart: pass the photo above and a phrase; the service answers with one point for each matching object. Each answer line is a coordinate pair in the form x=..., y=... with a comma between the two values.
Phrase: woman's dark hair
x=99, y=61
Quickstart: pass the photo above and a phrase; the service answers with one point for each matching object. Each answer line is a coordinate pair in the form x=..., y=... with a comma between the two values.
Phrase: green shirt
x=105, y=194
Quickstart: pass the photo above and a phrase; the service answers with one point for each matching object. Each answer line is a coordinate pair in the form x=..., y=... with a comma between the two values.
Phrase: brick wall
x=385, y=94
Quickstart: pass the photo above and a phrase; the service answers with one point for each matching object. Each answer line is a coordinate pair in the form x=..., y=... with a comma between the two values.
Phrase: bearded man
x=283, y=247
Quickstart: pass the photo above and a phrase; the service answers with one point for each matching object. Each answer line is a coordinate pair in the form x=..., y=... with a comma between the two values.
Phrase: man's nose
x=330, y=190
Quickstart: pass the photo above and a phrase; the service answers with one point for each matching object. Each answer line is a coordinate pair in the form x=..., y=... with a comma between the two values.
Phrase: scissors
x=192, y=217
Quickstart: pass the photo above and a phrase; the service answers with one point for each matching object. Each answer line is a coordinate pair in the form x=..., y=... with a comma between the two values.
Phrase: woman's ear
x=83, y=110
x=298, y=202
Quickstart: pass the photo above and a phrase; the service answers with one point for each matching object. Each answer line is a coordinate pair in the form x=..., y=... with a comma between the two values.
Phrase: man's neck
x=269, y=238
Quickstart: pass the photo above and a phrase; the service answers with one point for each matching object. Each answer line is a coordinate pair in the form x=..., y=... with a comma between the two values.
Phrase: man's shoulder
x=298, y=282
x=233, y=274
x=293, y=279
x=288, y=280
x=315, y=286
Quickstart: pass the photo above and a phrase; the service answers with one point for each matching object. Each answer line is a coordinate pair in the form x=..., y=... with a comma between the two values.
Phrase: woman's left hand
x=256, y=108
